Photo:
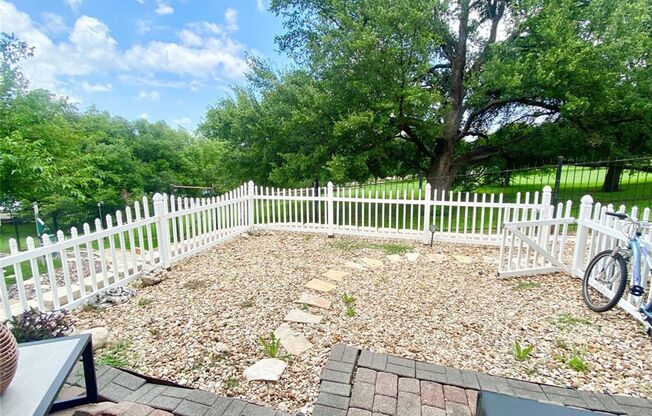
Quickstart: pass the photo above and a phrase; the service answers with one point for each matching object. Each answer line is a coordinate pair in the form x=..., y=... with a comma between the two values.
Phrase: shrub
x=34, y=325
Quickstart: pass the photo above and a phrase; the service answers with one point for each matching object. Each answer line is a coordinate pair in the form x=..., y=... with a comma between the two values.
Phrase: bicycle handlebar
x=619, y=215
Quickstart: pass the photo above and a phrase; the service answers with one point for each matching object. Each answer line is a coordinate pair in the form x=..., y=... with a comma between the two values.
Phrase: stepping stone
x=320, y=285
x=336, y=275
x=436, y=257
x=293, y=343
x=372, y=262
x=296, y=315
x=354, y=265
x=490, y=260
x=269, y=369
x=394, y=258
x=412, y=256
x=314, y=300
x=464, y=259
x=283, y=331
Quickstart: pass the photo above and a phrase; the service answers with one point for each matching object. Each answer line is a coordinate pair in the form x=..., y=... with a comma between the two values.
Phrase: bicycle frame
x=638, y=249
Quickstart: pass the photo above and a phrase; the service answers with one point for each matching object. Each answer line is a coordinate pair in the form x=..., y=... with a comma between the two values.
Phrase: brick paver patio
x=120, y=386
x=358, y=382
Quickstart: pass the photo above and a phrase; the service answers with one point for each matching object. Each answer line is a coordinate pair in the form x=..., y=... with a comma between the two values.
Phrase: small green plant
x=116, y=356
x=567, y=320
x=34, y=325
x=247, y=303
x=231, y=383
x=522, y=353
x=526, y=285
x=271, y=348
x=304, y=306
x=576, y=362
x=393, y=248
x=142, y=302
x=348, y=300
x=350, y=311
x=563, y=345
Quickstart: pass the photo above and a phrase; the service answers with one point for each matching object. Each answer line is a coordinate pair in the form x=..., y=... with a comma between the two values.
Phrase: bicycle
x=609, y=270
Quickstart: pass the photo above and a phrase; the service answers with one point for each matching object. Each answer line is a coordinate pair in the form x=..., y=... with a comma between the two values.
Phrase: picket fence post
x=162, y=230
x=251, y=196
x=329, y=209
x=586, y=207
x=426, y=213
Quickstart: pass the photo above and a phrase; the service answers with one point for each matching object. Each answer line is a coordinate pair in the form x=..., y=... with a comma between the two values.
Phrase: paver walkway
x=357, y=382
x=120, y=386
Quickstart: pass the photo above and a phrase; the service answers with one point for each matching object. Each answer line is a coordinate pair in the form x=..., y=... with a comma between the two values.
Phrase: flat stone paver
x=437, y=258
x=394, y=258
x=268, y=369
x=314, y=300
x=294, y=344
x=336, y=275
x=463, y=259
x=355, y=266
x=320, y=285
x=372, y=262
x=412, y=256
x=297, y=315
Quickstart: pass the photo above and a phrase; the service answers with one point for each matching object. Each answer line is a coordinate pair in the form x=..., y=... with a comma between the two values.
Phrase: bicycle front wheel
x=604, y=281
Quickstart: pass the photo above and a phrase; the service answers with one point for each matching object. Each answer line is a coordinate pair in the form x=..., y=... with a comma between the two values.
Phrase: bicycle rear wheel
x=604, y=281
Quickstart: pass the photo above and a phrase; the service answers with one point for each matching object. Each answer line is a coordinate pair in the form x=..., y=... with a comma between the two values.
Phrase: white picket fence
x=533, y=237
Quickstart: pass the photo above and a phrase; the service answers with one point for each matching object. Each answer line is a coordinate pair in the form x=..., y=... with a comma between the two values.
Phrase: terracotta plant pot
x=8, y=357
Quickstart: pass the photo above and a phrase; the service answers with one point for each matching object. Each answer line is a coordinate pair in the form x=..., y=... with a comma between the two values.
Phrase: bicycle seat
x=619, y=215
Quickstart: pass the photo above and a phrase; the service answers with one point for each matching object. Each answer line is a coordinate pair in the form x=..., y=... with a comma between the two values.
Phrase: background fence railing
x=532, y=231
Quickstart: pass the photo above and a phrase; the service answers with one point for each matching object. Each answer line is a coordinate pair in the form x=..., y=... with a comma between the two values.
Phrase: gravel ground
x=438, y=309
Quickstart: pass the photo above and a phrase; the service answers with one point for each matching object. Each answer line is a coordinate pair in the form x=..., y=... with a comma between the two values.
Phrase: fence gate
x=537, y=245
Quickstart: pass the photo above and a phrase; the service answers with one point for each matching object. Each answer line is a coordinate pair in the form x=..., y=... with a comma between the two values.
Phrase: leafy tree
x=429, y=81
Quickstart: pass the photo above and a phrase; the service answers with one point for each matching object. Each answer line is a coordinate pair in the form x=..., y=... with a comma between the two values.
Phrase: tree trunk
x=441, y=172
x=612, y=178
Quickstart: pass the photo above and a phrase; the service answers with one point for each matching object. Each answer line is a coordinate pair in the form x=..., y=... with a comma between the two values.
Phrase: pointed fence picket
x=533, y=235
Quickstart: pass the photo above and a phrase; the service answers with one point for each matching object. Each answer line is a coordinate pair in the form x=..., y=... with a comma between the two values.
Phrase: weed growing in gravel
x=348, y=300
x=142, y=302
x=271, y=348
x=350, y=311
x=116, y=356
x=304, y=306
x=247, y=303
x=522, y=353
x=393, y=248
x=574, y=361
x=194, y=284
x=388, y=248
x=526, y=284
x=231, y=383
x=567, y=320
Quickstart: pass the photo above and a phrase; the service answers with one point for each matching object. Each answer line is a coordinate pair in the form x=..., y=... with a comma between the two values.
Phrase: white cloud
x=205, y=50
x=183, y=122
x=90, y=88
x=260, y=5
x=53, y=23
x=144, y=116
x=231, y=17
x=143, y=26
x=150, y=96
x=74, y=4
x=163, y=9
x=190, y=38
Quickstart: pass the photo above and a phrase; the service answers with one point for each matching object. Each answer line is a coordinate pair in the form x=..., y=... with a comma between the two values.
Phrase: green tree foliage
x=388, y=87
x=52, y=153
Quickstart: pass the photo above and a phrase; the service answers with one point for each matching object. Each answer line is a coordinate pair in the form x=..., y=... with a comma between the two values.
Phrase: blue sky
x=155, y=59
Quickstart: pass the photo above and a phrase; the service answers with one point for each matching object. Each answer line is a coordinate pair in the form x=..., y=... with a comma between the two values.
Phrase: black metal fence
x=621, y=181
